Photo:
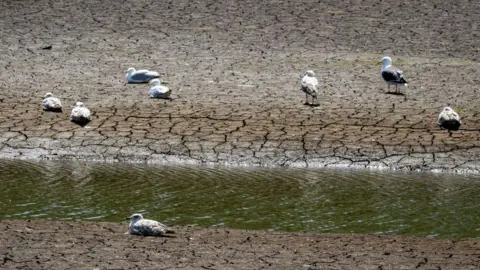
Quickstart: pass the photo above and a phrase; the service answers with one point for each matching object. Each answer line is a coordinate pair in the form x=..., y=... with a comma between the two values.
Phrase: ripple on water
x=284, y=199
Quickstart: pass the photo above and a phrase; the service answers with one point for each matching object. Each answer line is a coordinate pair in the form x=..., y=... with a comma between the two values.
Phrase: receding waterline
x=280, y=199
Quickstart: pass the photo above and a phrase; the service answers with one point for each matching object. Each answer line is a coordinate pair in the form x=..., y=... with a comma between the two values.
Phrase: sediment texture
x=234, y=68
x=99, y=245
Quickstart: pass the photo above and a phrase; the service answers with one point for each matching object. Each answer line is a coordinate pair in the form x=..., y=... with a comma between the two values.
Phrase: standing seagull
x=80, y=114
x=51, y=103
x=159, y=91
x=449, y=119
x=146, y=227
x=391, y=74
x=310, y=86
x=140, y=76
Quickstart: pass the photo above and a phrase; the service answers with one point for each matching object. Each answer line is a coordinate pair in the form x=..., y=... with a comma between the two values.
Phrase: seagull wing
x=150, y=227
x=159, y=91
x=310, y=85
x=393, y=74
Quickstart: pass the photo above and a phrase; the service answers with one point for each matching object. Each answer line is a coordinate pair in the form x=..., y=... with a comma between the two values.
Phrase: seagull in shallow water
x=146, y=227
x=51, y=103
x=158, y=90
x=449, y=119
x=391, y=74
x=80, y=114
x=310, y=86
x=140, y=76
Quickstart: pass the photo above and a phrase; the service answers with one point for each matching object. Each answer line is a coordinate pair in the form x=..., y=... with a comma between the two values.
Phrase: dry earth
x=234, y=68
x=88, y=245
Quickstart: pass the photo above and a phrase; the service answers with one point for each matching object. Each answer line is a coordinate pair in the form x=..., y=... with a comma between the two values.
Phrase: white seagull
x=391, y=74
x=159, y=91
x=80, y=114
x=140, y=76
x=449, y=119
x=146, y=227
x=310, y=86
x=51, y=103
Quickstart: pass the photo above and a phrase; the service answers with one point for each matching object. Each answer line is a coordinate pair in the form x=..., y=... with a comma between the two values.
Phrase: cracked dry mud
x=88, y=245
x=235, y=70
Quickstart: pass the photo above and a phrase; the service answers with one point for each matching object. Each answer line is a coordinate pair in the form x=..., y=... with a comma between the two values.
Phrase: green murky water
x=422, y=204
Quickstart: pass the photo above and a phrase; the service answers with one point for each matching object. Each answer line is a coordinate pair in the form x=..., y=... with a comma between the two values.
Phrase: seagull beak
x=128, y=218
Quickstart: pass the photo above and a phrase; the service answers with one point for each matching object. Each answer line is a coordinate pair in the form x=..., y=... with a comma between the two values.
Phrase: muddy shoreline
x=102, y=245
x=234, y=71
x=236, y=98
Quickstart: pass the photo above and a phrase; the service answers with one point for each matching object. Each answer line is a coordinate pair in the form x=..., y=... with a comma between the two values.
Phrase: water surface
x=280, y=199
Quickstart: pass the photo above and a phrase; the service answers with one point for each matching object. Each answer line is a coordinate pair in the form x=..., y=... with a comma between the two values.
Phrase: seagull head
x=130, y=70
x=447, y=109
x=47, y=95
x=310, y=73
x=135, y=217
x=155, y=82
x=386, y=61
x=79, y=104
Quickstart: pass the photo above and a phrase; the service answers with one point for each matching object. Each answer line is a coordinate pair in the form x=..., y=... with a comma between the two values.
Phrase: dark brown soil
x=89, y=245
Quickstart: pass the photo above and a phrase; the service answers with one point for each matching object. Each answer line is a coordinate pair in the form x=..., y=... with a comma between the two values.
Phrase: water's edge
x=279, y=199
x=416, y=162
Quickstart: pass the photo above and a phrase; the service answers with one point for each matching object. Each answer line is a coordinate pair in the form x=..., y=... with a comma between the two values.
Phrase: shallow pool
x=280, y=199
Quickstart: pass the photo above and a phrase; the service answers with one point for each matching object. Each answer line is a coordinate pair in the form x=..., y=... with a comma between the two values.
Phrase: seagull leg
x=306, y=99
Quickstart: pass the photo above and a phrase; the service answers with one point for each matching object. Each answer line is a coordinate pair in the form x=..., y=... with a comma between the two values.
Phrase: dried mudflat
x=234, y=70
x=89, y=245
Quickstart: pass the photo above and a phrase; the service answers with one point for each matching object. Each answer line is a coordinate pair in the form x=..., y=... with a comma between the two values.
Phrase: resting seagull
x=51, y=103
x=140, y=76
x=449, y=119
x=391, y=74
x=159, y=91
x=146, y=227
x=80, y=114
x=310, y=86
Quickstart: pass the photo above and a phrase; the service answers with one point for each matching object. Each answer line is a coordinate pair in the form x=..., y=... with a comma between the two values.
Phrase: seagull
x=146, y=227
x=140, y=76
x=449, y=119
x=80, y=114
x=310, y=86
x=159, y=91
x=391, y=74
x=51, y=103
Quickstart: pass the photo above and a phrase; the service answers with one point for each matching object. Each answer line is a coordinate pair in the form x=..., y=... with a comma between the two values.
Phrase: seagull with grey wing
x=80, y=114
x=449, y=119
x=309, y=85
x=51, y=103
x=392, y=75
x=158, y=90
x=146, y=227
x=140, y=76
